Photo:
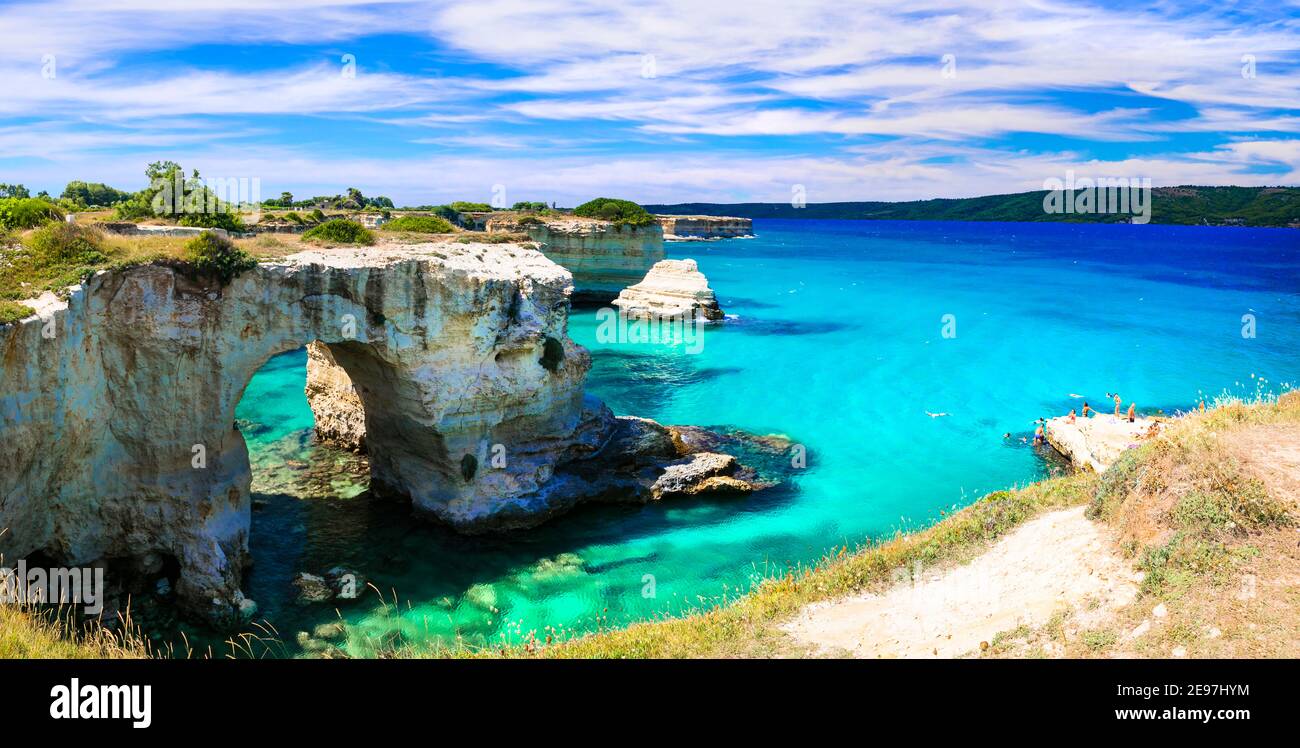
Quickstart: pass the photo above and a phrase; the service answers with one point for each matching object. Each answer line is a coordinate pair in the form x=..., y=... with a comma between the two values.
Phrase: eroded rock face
x=672, y=288
x=686, y=228
x=603, y=257
x=117, y=406
x=340, y=416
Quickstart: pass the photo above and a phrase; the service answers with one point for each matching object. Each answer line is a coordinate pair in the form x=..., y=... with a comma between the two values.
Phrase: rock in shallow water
x=672, y=289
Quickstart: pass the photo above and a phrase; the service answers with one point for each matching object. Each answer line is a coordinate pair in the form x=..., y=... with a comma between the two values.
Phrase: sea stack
x=672, y=288
x=695, y=228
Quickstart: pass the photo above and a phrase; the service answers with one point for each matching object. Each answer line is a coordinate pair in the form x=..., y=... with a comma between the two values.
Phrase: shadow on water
x=762, y=326
x=647, y=382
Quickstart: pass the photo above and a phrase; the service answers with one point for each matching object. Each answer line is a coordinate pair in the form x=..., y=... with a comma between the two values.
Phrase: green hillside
x=1216, y=206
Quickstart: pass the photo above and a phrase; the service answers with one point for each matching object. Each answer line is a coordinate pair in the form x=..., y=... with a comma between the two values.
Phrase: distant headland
x=1187, y=205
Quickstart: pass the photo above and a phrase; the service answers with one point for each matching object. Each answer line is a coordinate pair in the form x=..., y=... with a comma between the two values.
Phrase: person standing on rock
x=1118, y=403
x=1132, y=412
x=1085, y=410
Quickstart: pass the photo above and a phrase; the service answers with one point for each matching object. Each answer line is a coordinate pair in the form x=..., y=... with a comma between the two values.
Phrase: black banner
x=319, y=696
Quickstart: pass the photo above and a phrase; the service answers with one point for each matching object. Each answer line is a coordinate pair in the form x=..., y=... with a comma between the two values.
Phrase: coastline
x=752, y=625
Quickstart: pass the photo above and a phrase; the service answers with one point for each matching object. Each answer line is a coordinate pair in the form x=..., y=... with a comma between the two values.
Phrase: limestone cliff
x=451, y=361
x=117, y=405
x=604, y=257
x=340, y=416
x=672, y=288
x=686, y=228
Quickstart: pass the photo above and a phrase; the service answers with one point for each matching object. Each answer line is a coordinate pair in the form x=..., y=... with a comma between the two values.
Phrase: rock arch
x=119, y=430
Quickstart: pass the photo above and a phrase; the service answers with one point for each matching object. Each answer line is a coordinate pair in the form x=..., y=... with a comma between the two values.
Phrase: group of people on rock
x=1040, y=436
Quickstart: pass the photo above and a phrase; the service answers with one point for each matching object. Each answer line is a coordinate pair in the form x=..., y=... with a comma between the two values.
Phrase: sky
x=660, y=101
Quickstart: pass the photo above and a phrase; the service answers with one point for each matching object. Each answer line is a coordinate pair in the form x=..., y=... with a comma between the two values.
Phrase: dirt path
x=1060, y=561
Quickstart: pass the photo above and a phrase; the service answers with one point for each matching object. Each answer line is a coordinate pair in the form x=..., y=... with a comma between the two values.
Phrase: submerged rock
x=312, y=588
x=672, y=289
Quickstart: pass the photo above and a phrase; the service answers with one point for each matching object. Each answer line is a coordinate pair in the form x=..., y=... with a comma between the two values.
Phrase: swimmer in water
x=935, y=415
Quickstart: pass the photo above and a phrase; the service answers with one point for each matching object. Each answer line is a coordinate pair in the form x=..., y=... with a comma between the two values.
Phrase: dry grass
x=36, y=633
x=749, y=627
x=1208, y=512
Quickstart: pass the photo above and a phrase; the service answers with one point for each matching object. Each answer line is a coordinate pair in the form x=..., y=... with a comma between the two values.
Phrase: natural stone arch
x=123, y=422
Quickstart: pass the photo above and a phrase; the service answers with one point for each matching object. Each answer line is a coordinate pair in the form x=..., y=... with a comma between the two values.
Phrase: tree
x=13, y=190
x=355, y=199
x=286, y=199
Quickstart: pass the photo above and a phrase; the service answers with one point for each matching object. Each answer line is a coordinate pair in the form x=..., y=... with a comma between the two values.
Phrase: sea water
x=843, y=336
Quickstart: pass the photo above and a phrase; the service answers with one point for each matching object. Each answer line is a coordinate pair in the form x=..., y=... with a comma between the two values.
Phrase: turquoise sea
x=834, y=338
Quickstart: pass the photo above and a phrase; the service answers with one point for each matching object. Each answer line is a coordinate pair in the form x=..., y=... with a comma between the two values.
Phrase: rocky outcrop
x=451, y=361
x=125, y=228
x=604, y=257
x=117, y=405
x=686, y=228
x=1095, y=443
x=672, y=289
x=340, y=415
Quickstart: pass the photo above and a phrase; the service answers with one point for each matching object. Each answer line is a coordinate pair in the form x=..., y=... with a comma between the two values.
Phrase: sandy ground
x=1273, y=455
x=1060, y=561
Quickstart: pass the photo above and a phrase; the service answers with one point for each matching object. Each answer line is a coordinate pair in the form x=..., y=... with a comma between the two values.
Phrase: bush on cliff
x=59, y=244
x=340, y=231
x=420, y=225
x=27, y=212
x=216, y=255
x=460, y=206
x=12, y=311
x=616, y=211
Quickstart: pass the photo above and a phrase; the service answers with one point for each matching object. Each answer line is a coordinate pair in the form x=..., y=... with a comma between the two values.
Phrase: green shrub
x=218, y=220
x=317, y=216
x=460, y=206
x=136, y=207
x=216, y=255
x=419, y=224
x=616, y=211
x=12, y=311
x=66, y=245
x=27, y=212
x=341, y=231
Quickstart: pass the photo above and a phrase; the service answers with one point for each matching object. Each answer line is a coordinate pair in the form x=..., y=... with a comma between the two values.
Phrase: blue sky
x=654, y=101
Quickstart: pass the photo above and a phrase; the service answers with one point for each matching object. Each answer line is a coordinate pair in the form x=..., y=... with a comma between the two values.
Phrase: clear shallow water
x=833, y=339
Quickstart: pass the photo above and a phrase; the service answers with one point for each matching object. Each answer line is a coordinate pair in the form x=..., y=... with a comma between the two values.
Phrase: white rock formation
x=604, y=257
x=117, y=407
x=1095, y=443
x=687, y=228
x=672, y=288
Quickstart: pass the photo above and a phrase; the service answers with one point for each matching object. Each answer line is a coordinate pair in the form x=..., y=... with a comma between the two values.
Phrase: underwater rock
x=312, y=588
x=672, y=289
x=329, y=631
